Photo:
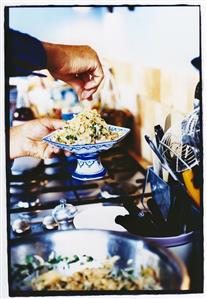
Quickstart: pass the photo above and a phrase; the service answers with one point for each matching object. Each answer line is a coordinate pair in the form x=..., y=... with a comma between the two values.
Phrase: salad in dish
x=86, y=127
x=82, y=273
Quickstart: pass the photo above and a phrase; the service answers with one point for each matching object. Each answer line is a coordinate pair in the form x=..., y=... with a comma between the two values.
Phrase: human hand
x=26, y=139
x=79, y=66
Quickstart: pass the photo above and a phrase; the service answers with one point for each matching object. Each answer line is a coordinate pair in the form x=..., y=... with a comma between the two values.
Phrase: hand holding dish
x=86, y=135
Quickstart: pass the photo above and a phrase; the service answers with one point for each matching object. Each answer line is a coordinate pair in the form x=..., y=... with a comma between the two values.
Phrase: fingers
x=16, y=142
x=76, y=83
x=67, y=153
x=96, y=78
x=78, y=86
x=44, y=126
x=51, y=123
x=49, y=152
x=89, y=86
x=90, y=70
x=86, y=84
x=57, y=123
x=87, y=94
x=79, y=66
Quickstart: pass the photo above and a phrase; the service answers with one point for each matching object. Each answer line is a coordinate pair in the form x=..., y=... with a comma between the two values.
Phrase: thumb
x=57, y=123
x=76, y=83
x=51, y=123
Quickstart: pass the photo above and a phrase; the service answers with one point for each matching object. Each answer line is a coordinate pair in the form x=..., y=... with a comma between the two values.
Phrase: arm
x=79, y=66
x=23, y=54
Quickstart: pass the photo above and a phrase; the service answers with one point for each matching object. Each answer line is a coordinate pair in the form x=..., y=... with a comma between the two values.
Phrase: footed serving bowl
x=89, y=165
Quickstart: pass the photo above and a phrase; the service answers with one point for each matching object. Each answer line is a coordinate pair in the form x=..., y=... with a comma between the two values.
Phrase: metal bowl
x=100, y=244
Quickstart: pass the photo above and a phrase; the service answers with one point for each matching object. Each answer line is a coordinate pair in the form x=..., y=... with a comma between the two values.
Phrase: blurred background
x=146, y=52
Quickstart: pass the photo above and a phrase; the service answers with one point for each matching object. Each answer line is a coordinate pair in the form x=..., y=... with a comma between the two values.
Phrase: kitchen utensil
x=180, y=213
x=170, y=208
x=180, y=145
x=164, y=163
x=196, y=199
x=39, y=74
x=140, y=226
x=158, y=224
x=132, y=208
x=162, y=160
x=158, y=136
x=89, y=165
x=140, y=221
x=160, y=192
x=159, y=133
x=100, y=244
x=157, y=216
x=180, y=200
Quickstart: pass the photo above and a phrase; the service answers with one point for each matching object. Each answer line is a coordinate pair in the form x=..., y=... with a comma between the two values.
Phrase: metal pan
x=100, y=244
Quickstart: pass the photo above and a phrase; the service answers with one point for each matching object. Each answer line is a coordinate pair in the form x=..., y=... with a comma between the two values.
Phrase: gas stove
x=33, y=195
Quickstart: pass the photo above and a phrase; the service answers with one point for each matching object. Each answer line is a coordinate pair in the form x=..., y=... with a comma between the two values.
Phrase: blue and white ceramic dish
x=89, y=165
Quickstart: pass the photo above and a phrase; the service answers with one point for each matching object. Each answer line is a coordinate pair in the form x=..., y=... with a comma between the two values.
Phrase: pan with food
x=92, y=260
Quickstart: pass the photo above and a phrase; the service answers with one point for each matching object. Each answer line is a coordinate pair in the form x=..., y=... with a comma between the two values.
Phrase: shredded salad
x=83, y=273
x=85, y=128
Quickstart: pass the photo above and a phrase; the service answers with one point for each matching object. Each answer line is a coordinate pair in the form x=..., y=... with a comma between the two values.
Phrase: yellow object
x=193, y=192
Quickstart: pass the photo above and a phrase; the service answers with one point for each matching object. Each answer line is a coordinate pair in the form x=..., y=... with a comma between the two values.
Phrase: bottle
x=22, y=112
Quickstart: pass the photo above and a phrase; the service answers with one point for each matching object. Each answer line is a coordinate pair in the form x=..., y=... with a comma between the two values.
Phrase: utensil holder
x=174, y=204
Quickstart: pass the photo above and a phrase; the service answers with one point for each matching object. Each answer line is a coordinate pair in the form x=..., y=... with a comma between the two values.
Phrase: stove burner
x=18, y=187
x=112, y=190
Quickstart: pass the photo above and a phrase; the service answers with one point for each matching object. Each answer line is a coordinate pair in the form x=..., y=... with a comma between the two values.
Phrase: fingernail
x=85, y=94
x=56, y=150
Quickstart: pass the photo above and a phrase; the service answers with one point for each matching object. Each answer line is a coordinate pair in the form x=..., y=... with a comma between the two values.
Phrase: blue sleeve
x=24, y=54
